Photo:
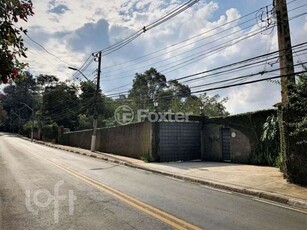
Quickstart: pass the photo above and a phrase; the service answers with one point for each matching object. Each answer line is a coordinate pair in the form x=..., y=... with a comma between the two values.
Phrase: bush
x=26, y=128
x=50, y=131
x=267, y=150
x=147, y=157
x=294, y=133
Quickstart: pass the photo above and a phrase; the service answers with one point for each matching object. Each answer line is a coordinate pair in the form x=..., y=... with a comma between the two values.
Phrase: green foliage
x=85, y=122
x=147, y=157
x=46, y=80
x=297, y=110
x=257, y=127
x=61, y=105
x=11, y=42
x=3, y=115
x=50, y=131
x=279, y=161
x=147, y=87
x=294, y=133
x=270, y=129
x=87, y=98
x=26, y=128
x=110, y=122
x=171, y=96
x=14, y=100
x=267, y=150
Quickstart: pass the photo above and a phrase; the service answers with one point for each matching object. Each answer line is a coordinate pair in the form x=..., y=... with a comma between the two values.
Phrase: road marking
x=165, y=217
x=215, y=189
x=278, y=205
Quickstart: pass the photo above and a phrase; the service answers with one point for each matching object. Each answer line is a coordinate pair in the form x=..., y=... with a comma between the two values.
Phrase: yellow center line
x=165, y=217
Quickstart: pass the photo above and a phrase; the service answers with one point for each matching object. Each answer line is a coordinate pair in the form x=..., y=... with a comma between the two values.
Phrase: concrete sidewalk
x=259, y=181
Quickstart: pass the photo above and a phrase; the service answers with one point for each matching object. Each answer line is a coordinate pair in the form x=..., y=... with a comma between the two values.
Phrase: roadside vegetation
x=70, y=105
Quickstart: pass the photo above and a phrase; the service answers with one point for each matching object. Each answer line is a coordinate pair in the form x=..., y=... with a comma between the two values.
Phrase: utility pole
x=286, y=69
x=93, y=141
x=285, y=49
x=32, y=119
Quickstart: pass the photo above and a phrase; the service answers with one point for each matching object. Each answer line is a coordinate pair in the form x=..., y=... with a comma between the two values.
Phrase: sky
x=206, y=36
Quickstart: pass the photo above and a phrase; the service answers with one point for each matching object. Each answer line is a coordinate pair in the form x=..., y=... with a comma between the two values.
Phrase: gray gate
x=179, y=141
x=226, y=144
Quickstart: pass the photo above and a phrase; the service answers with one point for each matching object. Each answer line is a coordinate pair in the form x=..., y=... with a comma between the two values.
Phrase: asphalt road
x=45, y=188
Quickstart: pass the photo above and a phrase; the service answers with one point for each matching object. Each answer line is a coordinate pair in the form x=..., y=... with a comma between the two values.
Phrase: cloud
x=251, y=97
x=59, y=9
x=72, y=30
x=90, y=36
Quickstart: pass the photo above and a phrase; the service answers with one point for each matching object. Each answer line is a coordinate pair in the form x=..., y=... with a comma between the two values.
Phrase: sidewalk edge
x=299, y=203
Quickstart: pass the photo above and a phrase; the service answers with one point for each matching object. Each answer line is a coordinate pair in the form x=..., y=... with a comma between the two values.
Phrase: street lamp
x=201, y=109
x=75, y=69
x=156, y=104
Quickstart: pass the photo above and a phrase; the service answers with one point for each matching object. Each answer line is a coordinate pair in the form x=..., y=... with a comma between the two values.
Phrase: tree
x=11, y=42
x=3, y=116
x=45, y=80
x=146, y=87
x=298, y=107
x=213, y=107
x=171, y=95
x=105, y=107
x=173, y=92
x=61, y=105
x=294, y=133
x=87, y=98
x=16, y=98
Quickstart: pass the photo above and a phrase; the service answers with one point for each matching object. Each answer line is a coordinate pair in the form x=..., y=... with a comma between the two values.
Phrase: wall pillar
x=202, y=137
x=155, y=141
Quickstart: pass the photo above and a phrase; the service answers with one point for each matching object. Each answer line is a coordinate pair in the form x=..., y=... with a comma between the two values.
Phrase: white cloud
x=73, y=29
x=252, y=97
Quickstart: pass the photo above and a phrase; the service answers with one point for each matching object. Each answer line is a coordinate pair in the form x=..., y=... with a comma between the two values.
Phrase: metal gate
x=179, y=141
x=226, y=144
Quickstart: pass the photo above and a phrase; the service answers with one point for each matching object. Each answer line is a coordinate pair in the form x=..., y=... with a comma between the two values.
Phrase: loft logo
x=42, y=198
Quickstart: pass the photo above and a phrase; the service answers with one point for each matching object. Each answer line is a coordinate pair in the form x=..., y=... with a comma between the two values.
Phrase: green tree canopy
x=147, y=87
x=61, y=105
x=11, y=42
x=294, y=131
x=16, y=99
x=171, y=95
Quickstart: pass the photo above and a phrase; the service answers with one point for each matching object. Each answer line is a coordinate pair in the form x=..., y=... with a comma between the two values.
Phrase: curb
x=298, y=203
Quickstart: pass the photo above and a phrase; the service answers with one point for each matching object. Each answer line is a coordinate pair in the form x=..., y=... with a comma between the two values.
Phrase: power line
x=191, y=61
x=47, y=51
x=191, y=58
x=185, y=40
x=246, y=83
x=227, y=66
x=241, y=77
x=190, y=50
x=202, y=53
x=236, y=63
x=168, y=16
